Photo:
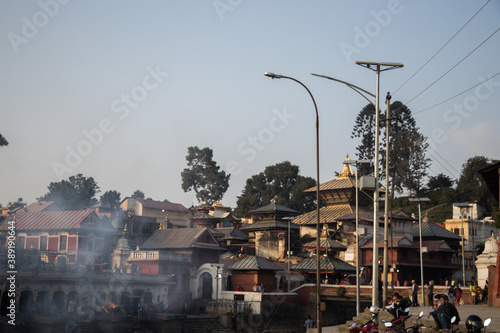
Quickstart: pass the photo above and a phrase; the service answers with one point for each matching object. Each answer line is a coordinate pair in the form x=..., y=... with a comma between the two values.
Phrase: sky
x=118, y=90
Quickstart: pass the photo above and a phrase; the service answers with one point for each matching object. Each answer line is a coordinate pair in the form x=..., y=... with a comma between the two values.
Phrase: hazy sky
x=118, y=90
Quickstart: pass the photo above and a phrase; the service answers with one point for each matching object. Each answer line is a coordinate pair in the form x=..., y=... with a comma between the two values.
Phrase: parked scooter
x=474, y=324
x=371, y=326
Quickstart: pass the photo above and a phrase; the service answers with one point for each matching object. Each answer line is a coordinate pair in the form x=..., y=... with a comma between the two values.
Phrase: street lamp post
x=377, y=67
x=318, y=234
x=462, y=206
x=355, y=162
x=419, y=200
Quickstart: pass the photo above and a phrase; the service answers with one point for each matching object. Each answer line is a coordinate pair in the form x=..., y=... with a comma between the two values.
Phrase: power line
x=435, y=54
x=458, y=63
x=445, y=160
x=451, y=173
x=463, y=92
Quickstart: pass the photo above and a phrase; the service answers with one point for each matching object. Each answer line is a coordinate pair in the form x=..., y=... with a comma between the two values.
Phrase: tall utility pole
x=358, y=258
x=462, y=206
x=419, y=200
x=377, y=67
x=386, y=210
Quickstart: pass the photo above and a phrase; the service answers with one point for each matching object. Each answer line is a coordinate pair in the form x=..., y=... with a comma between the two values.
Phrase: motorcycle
x=397, y=324
x=415, y=328
x=474, y=324
x=369, y=327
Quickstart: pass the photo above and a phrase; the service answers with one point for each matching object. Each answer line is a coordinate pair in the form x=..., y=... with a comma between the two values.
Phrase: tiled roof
x=67, y=219
x=396, y=242
x=182, y=238
x=254, y=263
x=437, y=246
x=368, y=216
x=329, y=213
x=167, y=206
x=432, y=230
x=330, y=263
x=326, y=243
x=273, y=224
x=273, y=207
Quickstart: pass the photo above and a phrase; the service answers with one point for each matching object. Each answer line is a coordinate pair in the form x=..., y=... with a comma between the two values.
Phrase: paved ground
x=482, y=311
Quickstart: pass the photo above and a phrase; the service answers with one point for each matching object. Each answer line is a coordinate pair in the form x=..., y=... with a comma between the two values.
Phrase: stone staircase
x=428, y=324
x=204, y=324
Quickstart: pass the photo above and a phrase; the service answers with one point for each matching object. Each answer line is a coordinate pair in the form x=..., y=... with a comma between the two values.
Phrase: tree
x=440, y=189
x=281, y=182
x=138, y=194
x=77, y=192
x=3, y=141
x=471, y=186
x=408, y=146
x=111, y=198
x=439, y=182
x=411, y=166
x=203, y=176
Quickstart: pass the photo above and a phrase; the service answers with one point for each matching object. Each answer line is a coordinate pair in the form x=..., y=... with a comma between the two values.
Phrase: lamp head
x=272, y=75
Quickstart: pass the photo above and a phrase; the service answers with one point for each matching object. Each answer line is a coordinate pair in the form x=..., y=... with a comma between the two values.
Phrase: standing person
x=255, y=288
x=473, y=292
x=309, y=323
x=451, y=294
x=458, y=294
x=430, y=293
x=414, y=293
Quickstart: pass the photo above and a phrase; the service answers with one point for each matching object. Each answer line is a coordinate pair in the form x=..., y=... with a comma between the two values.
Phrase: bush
x=341, y=291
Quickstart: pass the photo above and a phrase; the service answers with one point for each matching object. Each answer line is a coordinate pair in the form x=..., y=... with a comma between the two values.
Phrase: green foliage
x=3, y=141
x=77, y=192
x=111, y=198
x=341, y=291
x=203, y=176
x=495, y=214
x=282, y=182
x=471, y=186
x=138, y=194
x=407, y=155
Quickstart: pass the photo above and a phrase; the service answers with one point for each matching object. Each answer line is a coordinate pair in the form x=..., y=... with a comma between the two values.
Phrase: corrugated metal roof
x=325, y=263
x=432, y=230
x=178, y=239
x=335, y=184
x=254, y=263
x=273, y=224
x=326, y=243
x=67, y=219
x=168, y=206
x=273, y=207
x=43, y=206
x=231, y=233
x=329, y=213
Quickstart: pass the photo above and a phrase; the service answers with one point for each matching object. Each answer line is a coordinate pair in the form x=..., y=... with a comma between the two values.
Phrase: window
x=21, y=241
x=63, y=242
x=90, y=244
x=43, y=243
